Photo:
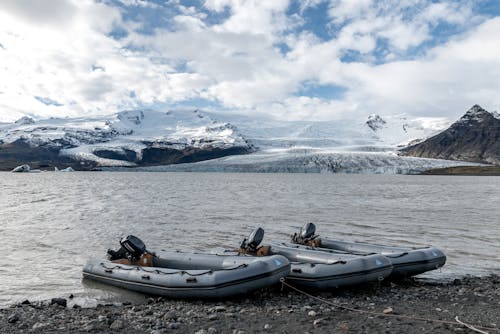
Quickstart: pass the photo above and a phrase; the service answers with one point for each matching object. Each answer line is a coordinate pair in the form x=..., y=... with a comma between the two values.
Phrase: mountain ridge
x=474, y=137
x=128, y=138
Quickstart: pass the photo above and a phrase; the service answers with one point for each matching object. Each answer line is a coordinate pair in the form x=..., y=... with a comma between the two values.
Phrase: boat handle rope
x=395, y=256
x=182, y=272
x=476, y=328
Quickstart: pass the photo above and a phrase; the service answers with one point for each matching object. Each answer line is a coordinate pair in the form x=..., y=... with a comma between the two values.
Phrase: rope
x=157, y=271
x=456, y=322
x=470, y=326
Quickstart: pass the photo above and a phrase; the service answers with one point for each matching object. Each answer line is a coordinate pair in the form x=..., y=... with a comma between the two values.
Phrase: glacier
x=119, y=142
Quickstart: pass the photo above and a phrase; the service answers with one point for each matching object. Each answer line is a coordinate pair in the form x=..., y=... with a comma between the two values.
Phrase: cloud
x=50, y=12
x=421, y=57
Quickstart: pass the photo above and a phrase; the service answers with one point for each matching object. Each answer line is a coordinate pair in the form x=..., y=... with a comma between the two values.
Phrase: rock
x=117, y=324
x=13, y=318
x=213, y=317
x=201, y=331
x=173, y=325
x=388, y=310
x=239, y=331
x=267, y=326
x=220, y=308
x=212, y=330
x=38, y=326
x=59, y=301
x=159, y=324
x=317, y=322
x=26, y=302
x=90, y=326
x=171, y=315
x=311, y=313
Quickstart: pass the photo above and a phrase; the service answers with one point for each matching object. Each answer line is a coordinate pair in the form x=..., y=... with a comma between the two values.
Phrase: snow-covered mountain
x=129, y=138
x=188, y=138
x=375, y=133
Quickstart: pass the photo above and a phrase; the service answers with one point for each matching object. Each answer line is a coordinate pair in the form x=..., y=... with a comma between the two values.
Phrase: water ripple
x=53, y=222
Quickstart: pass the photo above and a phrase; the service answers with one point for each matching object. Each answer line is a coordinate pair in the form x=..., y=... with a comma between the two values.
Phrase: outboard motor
x=252, y=244
x=134, y=246
x=131, y=248
x=306, y=234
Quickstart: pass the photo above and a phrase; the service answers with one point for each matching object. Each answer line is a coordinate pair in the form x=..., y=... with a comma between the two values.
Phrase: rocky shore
x=392, y=307
x=466, y=170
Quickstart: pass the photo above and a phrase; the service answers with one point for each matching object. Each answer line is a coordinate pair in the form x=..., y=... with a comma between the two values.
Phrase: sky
x=287, y=59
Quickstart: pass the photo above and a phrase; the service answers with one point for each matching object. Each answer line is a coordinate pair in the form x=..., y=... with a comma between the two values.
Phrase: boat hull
x=406, y=261
x=329, y=270
x=195, y=275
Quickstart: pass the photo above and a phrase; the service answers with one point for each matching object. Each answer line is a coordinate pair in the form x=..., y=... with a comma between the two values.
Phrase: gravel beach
x=394, y=307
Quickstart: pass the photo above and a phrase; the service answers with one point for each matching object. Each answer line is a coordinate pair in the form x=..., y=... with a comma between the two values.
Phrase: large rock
x=474, y=137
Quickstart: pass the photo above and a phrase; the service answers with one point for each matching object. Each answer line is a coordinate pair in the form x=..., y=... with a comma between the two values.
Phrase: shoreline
x=465, y=170
x=393, y=307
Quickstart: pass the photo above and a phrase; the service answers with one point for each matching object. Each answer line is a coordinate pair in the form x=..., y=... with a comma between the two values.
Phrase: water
x=51, y=223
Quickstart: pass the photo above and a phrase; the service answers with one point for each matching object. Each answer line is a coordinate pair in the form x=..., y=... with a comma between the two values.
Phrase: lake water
x=51, y=223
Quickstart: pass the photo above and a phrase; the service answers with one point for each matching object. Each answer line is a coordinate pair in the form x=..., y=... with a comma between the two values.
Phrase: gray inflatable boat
x=406, y=261
x=190, y=275
x=321, y=269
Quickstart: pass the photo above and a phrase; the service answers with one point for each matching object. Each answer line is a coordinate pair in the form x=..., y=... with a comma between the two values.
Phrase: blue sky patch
x=48, y=101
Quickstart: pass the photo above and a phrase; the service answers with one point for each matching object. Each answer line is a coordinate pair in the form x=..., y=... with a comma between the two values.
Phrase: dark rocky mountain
x=375, y=122
x=475, y=137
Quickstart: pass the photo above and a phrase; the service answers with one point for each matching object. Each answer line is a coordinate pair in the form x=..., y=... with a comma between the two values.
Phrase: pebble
x=211, y=330
x=159, y=324
x=220, y=308
x=388, y=310
x=239, y=331
x=267, y=326
x=316, y=322
x=312, y=313
x=173, y=325
x=38, y=325
x=213, y=317
x=13, y=318
x=117, y=324
x=170, y=315
x=201, y=331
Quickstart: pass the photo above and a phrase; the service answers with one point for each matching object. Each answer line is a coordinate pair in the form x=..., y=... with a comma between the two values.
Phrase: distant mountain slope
x=474, y=137
x=129, y=138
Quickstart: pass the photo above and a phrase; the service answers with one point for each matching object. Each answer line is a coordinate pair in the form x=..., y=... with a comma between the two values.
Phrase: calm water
x=52, y=222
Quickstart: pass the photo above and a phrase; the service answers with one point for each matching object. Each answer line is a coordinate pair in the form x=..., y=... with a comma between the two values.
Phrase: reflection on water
x=53, y=222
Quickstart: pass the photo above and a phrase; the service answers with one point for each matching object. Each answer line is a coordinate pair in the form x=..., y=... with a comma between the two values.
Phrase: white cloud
x=71, y=58
x=253, y=16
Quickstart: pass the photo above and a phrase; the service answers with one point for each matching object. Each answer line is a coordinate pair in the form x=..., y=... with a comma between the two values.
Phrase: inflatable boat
x=185, y=275
x=406, y=261
x=311, y=268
